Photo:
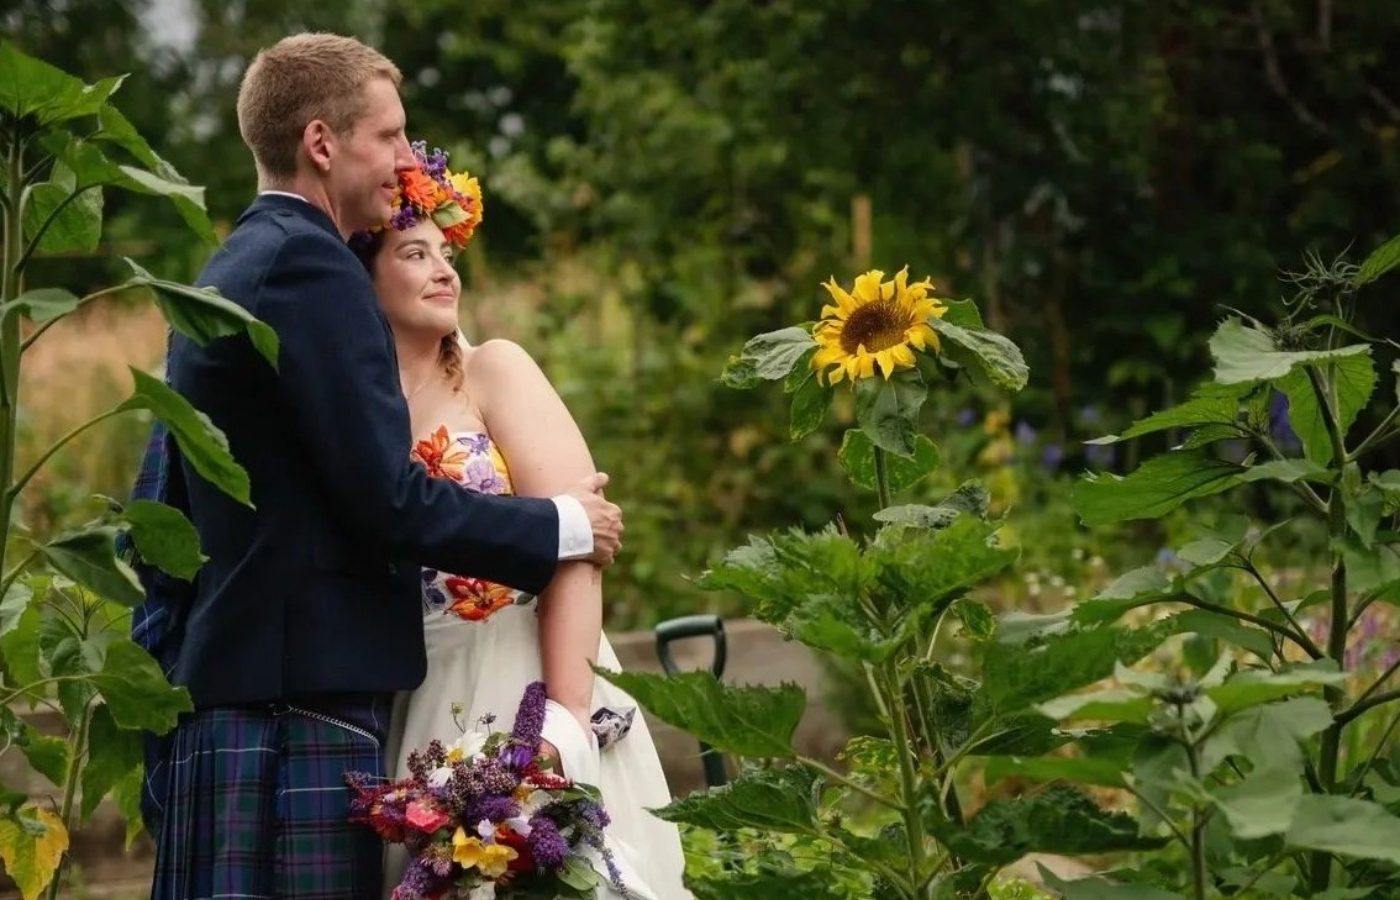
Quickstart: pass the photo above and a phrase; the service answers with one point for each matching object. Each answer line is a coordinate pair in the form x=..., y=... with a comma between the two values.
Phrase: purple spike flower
x=547, y=845
x=529, y=719
x=491, y=808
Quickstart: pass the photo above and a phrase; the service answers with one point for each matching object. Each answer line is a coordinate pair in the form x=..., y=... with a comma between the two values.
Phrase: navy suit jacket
x=316, y=589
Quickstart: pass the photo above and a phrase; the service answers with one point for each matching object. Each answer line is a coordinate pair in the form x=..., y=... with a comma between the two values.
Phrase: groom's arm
x=337, y=370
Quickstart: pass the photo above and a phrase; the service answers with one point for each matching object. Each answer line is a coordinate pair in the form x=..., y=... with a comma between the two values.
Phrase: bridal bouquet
x=481, y=819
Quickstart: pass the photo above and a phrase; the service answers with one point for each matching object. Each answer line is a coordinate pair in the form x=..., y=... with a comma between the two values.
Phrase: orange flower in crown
x=430, y=191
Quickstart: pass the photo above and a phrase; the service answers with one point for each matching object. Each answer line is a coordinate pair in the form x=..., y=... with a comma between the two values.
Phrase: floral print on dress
x=441, y=456
x=471, y=460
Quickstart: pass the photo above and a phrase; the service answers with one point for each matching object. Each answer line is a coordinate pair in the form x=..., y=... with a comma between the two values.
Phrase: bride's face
x=418, y=287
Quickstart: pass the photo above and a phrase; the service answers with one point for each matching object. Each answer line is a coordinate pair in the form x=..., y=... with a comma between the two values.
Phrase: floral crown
x=430, y=191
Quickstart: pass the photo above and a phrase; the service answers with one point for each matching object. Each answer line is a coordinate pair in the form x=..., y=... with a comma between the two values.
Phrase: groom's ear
x=317, y=141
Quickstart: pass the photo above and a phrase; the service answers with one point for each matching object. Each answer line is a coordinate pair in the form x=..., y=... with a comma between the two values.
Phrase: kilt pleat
x=255, y=804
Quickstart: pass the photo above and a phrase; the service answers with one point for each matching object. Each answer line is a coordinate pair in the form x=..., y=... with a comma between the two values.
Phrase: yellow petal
x=923, y=336
x=835, y=375
x=867, y=286
x=866, y=363
x=900, y=279
x=886, y=360
x=844, y=301
x=903, y=356
x=826, y=356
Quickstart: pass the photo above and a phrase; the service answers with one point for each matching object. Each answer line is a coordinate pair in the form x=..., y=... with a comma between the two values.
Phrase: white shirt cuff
x=575, y=532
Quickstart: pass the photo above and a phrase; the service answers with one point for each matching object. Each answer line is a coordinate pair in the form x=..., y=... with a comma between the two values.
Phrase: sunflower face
x=879, y=324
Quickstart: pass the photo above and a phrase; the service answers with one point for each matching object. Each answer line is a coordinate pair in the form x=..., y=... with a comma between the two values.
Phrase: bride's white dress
x=483, y=649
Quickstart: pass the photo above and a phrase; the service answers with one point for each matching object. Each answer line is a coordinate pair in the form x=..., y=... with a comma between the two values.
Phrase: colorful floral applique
x=441, y=456
x=474, y=598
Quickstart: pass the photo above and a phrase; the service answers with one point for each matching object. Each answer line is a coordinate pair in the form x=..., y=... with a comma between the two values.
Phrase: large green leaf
x=77, y=223
x=1263, y=804
x=20, y=647
x=116, y=129
x=1245, y=354
x=1078, y=769
x=1109, y=705
x=991, y=355
x=783, y=800
x=200, y=442
x=1270, y=735
x=203, y=314
x=1287, y=471
x=922, y=567
x=1382, y=260
x=1255, y=686
x=1134, y=588
x=748, y=721
x=1099, y=889
x=838, y=625
x=809, y=404
x=1348, y=827
x=857, y=457
x=164, y=537
x=127, y=794
x=42, y=304
x=136, y=691
x=47, y=753
x=1016, y=676
x=887, y=411
x=32, y=87
x=89, y=557
x=1354, y=378
x=780, y=571
x=970, y=498
x=1156, y=488
x=794, y=884
x=113, y=753
x=768, y=357
x=1058, y=819
x=92, y=167
x=1212, y=404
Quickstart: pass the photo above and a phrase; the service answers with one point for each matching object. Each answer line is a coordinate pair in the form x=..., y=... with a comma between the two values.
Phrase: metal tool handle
x=691, y=627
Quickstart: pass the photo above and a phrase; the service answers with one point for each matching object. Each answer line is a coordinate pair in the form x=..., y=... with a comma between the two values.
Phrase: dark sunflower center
x=877, y=326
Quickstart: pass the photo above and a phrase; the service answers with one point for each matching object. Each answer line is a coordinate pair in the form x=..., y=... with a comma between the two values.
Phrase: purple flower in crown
x=480, y=475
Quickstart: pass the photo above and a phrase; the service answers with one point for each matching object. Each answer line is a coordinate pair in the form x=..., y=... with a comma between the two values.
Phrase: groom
x=307, y=615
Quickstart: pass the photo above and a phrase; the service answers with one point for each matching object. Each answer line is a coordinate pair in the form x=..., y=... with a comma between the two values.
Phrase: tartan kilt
x=253, y=803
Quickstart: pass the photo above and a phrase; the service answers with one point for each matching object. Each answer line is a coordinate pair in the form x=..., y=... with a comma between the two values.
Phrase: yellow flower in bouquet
x=491, y=860
x=878, y=324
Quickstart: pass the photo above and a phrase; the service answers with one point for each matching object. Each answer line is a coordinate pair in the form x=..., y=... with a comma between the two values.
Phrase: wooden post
x=861, y=240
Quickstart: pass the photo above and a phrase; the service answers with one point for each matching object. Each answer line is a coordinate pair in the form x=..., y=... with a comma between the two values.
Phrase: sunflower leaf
x=888, y=411
x=767, y=357
x=983, y=352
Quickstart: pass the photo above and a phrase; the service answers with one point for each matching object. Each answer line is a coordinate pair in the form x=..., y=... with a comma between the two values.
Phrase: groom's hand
x=605, y=517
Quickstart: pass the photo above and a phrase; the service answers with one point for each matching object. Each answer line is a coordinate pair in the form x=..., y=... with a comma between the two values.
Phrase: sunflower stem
x=882, y=478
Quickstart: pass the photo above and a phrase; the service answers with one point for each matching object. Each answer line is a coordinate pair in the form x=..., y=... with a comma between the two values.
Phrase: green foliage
x=66, y=596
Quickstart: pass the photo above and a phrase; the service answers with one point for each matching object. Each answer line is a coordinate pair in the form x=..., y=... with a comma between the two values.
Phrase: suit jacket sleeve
x=337, y=369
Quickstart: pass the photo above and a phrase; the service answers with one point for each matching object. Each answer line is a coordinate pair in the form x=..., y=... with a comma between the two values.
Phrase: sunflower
x=876, y=324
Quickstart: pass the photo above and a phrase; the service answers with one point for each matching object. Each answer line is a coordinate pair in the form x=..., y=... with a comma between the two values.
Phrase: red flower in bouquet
x=426, y=817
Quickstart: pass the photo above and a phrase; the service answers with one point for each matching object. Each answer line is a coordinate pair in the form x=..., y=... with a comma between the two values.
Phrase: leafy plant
x=1256, y=780
x=67, y=597
x=880, y=601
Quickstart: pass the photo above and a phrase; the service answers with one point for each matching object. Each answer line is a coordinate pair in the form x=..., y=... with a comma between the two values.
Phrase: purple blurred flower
x=966, y=416
x=1101, y=455
x=1052, y=456
x=1166, y=556
x=1089, y=415
x=1025, y=434
x=1280, y=429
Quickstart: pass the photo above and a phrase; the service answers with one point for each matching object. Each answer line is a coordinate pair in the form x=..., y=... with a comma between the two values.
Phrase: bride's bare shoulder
x=497, y=358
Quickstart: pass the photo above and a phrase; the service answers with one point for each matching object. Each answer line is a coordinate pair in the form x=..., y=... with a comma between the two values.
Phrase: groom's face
x=372, y=154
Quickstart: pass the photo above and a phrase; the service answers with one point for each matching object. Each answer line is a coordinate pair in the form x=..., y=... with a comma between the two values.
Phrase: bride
x=487, y=418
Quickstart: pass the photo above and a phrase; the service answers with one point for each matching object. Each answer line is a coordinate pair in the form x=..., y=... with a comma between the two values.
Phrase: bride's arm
x=547, y=454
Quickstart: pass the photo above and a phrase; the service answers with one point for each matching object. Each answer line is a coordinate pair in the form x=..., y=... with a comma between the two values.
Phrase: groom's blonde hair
x=298, y=80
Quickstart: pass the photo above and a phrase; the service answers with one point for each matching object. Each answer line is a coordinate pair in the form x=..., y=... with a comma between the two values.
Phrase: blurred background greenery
x=665, y=178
